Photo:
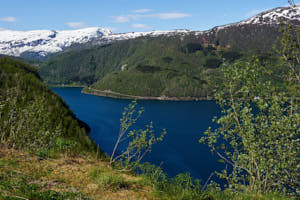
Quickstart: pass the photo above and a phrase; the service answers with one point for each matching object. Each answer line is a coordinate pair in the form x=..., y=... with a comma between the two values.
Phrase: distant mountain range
x=178, y=64
x=258, y=31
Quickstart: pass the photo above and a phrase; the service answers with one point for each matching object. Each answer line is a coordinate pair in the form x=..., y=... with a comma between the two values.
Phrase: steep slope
x=274, y=16
x=146, y=66
x=32, y=116
x=256, y=34
x=45, y=152
x=173, y=57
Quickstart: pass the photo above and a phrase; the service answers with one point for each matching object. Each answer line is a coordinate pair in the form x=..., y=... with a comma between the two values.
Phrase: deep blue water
x=185, y=123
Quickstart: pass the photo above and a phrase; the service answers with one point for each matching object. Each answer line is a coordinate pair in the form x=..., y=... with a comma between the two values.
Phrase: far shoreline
x=116, y=95
x=66, y=86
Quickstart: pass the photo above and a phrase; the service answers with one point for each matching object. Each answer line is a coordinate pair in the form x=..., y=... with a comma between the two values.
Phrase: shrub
x=212, y=62
x=148, y=68
x=192, y=48
x=231, y=55
x=139, y=142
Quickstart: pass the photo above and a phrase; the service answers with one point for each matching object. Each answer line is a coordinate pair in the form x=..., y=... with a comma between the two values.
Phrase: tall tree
x=259, y=131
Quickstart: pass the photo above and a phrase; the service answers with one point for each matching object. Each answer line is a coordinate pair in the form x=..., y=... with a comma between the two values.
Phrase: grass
x=25, y=175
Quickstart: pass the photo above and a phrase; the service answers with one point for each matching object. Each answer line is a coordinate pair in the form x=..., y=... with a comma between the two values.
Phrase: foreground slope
x=31, y=114
x=45, y=151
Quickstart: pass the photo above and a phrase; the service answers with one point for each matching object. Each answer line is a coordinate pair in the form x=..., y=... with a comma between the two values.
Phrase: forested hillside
x=32, y=116
x=171, y=66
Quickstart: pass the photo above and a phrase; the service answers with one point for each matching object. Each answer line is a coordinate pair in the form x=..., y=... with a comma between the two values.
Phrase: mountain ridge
x=41, y=43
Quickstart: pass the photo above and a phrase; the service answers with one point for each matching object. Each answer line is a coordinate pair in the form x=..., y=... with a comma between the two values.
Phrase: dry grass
x=87, y=175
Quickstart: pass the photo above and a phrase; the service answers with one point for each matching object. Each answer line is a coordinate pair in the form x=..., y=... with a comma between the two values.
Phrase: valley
x=81, y=108
x=184, y=65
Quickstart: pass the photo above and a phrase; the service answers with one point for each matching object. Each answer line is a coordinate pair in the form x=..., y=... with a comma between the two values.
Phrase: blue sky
x=128, y=15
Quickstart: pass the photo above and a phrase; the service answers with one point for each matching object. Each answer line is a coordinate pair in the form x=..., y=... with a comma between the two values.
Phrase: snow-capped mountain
x=132, y=35
x=275, y=15
x=40, y=43
x=44, y=42
x=256, y=34
x=270, y=17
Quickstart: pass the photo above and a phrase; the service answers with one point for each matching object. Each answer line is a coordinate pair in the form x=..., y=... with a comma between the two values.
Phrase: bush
x=139, y=142
x=109, y=180
x=167, y=59
x=212, y=62
x=231, y=55
x=192, y=48
x=148, y=68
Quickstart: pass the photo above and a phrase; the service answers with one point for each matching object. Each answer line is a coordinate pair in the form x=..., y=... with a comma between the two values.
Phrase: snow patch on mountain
x=45, y=41
x=275, y=15
x=127, y=36
x=270, y=17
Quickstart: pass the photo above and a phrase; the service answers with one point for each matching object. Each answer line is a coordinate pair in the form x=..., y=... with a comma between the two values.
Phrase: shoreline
x=116, y=95
x=66, y=86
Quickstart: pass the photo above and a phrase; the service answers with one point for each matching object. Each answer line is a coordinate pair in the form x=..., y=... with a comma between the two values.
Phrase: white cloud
x=173, y=15
x=163, y=16
x=2, y=29
x=8, y=19
x=142, y=11
x=121, y=19
x=75, y=24
x=140, y=26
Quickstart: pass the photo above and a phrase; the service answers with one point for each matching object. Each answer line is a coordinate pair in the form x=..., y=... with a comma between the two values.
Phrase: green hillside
x=164, y=66
x=170, y=66
x=32, y=116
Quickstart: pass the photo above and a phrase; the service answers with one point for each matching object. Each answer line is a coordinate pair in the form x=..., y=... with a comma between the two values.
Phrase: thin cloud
x=142, y=11
x=75, y=24
x=8, y=19
x=254, y=12
x=172, y=15
x=162, y=16
x=140, y=26
x=121, y=19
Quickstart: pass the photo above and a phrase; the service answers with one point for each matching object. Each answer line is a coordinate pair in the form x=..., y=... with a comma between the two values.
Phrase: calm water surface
x=185, y=123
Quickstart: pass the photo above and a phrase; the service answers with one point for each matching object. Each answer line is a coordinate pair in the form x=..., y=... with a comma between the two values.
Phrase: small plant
x=180, y=187
x=108, y=180
x=16, y=186
x=65, y=145
x=139, y=141
x=112, y=182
